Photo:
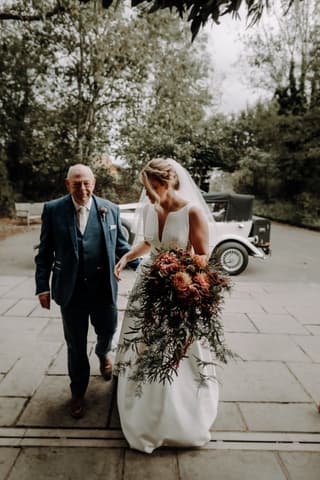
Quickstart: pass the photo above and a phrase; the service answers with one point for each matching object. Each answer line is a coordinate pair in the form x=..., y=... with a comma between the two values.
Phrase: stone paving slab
x=260, y=382
x=230, y=465
x=308, y=377
x=60, y=364
x=310, y=345
x=10, y=410
x=160, y=465
x=307, y=317
x=246, y=289
x=7, y=459
x=12, y=351
x=11, y=281
x=6, y=304
x=255, y=346
x=307, y=312
x=302, y=466
x=52, y=329
x=292, y=292
x=313, y=329
x=273, y=327
x=48, y=407
x=71, y=463
x=265, y=417
x=54, y=311
x=25, y=289
x=28, y=328
x=23, y=307
x=269, y=304
x=238, y=322
x=229, y=418
x=27, y=373
x=7, y=359
x=277, y=323
x=234, y=305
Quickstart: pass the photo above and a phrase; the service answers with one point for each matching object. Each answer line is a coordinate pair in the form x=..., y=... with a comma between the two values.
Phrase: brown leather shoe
x=106, y=368
x=76, y=408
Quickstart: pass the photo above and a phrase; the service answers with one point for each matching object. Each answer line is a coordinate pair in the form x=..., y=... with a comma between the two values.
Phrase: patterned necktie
x=82, y=219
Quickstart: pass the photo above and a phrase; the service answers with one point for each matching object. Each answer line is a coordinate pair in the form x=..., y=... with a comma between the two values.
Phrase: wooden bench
x=29, y=211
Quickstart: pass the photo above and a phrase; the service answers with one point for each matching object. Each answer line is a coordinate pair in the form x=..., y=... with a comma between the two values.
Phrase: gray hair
x=79, y=168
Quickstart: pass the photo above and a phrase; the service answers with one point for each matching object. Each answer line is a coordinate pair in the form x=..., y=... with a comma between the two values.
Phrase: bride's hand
x=120, y=266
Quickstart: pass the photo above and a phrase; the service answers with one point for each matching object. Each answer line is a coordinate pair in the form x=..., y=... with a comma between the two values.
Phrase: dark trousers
x=75, y=316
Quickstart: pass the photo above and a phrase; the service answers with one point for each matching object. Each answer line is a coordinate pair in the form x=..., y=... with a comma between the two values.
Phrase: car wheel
x=232, y=256
x=126, y=232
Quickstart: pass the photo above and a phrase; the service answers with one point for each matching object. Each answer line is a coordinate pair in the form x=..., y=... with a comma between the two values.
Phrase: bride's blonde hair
x=159, y=169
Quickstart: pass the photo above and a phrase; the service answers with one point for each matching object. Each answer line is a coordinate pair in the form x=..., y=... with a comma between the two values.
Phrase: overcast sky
x=225, y=47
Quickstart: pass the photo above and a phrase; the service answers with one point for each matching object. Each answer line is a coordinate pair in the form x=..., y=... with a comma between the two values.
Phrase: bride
x=173, y=215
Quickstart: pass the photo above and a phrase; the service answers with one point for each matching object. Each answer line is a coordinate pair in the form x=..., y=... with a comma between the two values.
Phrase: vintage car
x=235, y=234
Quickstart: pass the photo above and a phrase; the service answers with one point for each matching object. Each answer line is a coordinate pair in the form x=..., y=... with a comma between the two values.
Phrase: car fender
x=252, y=250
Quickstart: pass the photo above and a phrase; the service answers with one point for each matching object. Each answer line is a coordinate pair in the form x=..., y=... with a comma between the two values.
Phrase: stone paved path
x=267, y=427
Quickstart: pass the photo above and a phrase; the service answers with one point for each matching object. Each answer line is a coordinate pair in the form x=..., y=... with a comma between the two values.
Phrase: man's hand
x=44, y=299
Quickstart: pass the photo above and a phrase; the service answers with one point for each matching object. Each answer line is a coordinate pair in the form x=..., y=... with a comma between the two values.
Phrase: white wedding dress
x=171, y=414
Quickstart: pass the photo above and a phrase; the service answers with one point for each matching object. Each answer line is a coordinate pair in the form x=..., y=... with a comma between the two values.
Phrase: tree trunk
x=7, y=208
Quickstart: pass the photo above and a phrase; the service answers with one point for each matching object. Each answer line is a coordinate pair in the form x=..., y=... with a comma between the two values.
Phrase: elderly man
x=81, y=238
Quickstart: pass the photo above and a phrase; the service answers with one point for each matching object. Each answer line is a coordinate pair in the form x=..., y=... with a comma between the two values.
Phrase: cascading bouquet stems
x=177, y=301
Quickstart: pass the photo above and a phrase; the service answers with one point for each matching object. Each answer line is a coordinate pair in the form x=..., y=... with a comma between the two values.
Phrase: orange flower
x=194, y=294
x=202, y=280
x=167, y=262
x=200, y=260
x=181, y=281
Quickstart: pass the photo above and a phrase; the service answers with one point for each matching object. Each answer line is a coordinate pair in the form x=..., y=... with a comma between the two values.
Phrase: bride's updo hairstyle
x=166, y=171
x=162, y=171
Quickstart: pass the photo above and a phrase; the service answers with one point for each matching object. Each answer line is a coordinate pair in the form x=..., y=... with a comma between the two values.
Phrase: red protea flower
x=202, y=280
x=166, y=263
x=200, y=260
x=181, y=281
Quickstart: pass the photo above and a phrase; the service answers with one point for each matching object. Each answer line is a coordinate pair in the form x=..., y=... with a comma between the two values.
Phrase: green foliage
x=178, y=300
x=258, y=174
x=6, y=196
x=198, y=12
x=170, y=115
x=298, y=150
x=283, y=56
x=302, y=210
x=93, y=82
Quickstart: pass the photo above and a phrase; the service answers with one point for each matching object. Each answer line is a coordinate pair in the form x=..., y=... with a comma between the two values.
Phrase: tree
x=172, y=109
x=281, y=55
x=198, y=12
x=91, y=86
x=258, y=174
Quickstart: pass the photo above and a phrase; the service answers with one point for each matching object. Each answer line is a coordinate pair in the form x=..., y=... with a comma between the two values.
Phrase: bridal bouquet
x=177, y=302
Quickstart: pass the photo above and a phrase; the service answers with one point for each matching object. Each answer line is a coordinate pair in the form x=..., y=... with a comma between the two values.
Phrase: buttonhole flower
x=103, y=212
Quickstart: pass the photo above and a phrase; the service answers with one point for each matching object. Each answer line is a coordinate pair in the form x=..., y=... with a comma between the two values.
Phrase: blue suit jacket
x=58, y=250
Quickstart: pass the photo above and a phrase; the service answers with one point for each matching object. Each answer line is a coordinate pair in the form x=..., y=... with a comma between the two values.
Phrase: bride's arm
x=199, y=231
x=135, y=252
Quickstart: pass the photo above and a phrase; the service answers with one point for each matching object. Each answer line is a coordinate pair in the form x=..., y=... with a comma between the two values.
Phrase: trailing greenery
x=177, y=301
